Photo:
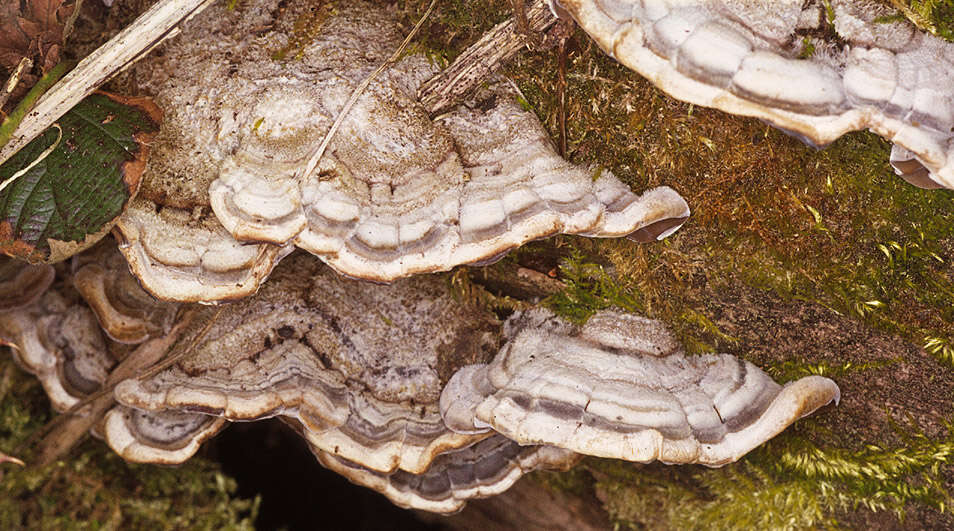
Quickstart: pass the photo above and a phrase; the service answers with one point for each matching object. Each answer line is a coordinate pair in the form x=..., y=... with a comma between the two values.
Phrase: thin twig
x=14, y=79
x=70, y=427
x=482, y=59
x=152, y=27
x=320, y=152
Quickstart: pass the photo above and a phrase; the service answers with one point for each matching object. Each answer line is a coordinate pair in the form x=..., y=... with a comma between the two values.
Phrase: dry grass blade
x=147, y=31
x=318, y=153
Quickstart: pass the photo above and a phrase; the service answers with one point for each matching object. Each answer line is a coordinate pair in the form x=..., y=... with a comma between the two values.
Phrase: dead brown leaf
x=33, y=29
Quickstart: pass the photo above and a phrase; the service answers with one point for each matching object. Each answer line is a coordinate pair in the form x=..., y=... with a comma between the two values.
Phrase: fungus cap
x=359, y=365
x=786, y=63
x=486, y=468
x=396, y=193
x=582, y=389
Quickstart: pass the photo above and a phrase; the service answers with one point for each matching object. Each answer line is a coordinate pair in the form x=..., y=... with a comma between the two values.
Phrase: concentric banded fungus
x=906, y=166
x=359, y=365
x=616, y=388
x=181, y=257
x=164, y=438
x=483, y=469
x=61, y=343
x=749, y=58
x=22, y=283
x=126, y=312
x=395, y=193
x=58, y=338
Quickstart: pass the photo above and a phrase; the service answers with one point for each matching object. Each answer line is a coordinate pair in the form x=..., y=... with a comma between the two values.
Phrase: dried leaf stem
x=320, y=151
x=152, y=27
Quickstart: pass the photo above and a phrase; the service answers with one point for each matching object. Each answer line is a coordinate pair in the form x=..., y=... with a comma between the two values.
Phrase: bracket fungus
x=60, y=342
x=816, y=69
x=359, y=366
x=616, y=388
x=127, y=313
x=74, y=350
x=21, y=283
x=165, y=438
x=185, y=255
x=390, y=385
x=396, y=193
x=486, y=468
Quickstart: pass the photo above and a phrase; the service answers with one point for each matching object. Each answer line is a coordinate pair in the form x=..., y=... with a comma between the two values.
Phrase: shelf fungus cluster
x=73, y=345
x=227, y=192
x=356, y=367
x=401, y=388
x=620, y=387
x=54, y=337
x=815, y=68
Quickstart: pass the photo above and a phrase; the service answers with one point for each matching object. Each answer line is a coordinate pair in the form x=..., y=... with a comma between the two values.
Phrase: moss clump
x=935, y=16
x=823, y=251
x=95, y=488
x=589, y=289
x=790, y=484
x=791, y=370
x=453, y=25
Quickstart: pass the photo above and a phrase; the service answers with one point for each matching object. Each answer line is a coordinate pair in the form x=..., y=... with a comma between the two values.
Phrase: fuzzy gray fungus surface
x=397, y=192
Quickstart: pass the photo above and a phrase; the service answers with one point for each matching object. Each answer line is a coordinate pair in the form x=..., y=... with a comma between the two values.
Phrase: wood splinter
x=480, y=61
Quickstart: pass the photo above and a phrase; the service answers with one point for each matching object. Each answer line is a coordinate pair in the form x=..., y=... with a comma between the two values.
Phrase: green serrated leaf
x=71, y=198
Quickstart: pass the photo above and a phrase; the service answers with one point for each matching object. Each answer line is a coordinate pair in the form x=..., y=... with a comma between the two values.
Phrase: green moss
x=941, y=348
x=589, y=289
x=786, y=484
x=808, y=48
x=95, y=488
x=791, y=370
x=700, y=320
x=576, y=480
x=464, y=290
x=454, y=25
x=935, y=16
x=435, y=57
